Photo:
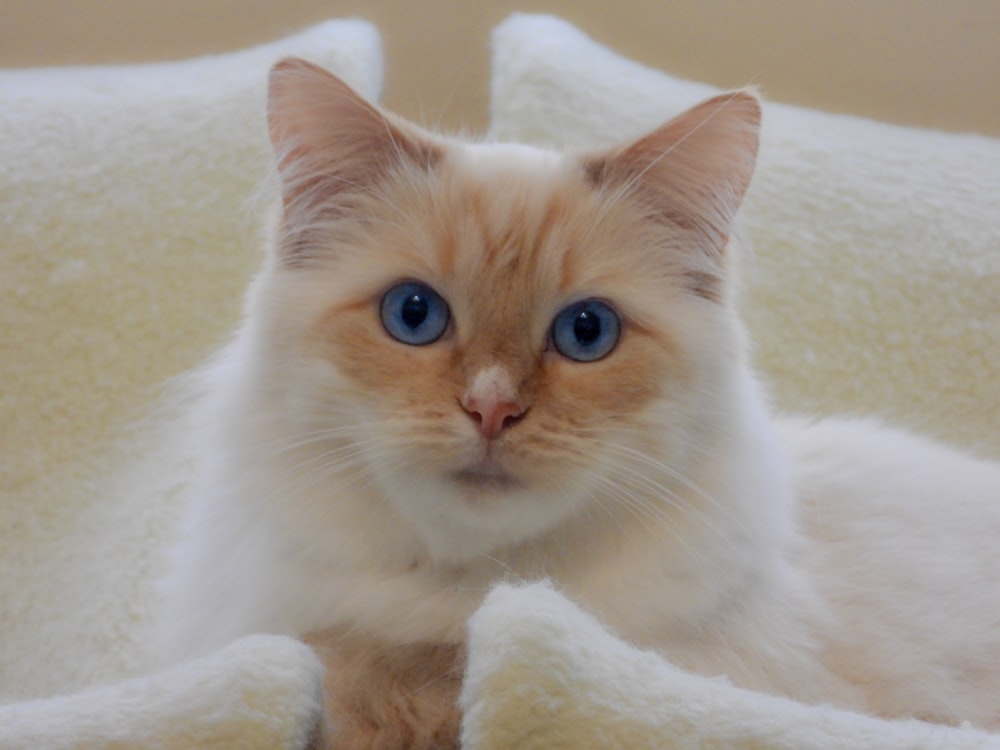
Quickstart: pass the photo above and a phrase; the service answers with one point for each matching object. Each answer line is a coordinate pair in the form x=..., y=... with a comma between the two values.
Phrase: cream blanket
x=126, y=240
x=126, y=207
x=543, y=674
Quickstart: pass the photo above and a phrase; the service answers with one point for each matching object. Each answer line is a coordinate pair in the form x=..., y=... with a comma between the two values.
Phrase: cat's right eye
x=586, y=331
x=414, y=314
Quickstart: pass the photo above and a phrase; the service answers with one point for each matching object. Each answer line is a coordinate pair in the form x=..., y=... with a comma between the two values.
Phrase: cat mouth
x=486, y=478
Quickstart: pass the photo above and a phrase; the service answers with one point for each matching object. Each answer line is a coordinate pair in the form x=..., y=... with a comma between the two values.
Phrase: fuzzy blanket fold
x=544, y=674
x=259, y=693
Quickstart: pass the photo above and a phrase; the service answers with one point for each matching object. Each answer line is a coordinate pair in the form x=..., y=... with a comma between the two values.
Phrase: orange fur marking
x=387, y=697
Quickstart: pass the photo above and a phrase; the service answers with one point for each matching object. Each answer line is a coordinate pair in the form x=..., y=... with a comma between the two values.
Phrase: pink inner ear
x=695, y=169
x=330, y=144
x=319, y=126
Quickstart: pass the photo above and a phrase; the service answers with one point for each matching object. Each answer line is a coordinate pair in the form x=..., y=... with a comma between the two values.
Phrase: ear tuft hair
x=330, y=143
x=693, y=171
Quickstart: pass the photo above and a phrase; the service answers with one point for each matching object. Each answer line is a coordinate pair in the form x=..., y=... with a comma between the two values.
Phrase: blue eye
x=414, y=313
x=586, y=331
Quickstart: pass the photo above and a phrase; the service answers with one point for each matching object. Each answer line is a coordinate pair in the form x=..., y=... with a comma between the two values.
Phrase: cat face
x=500, y=337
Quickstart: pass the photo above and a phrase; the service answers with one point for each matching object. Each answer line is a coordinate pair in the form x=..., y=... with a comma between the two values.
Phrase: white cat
x=465, y=363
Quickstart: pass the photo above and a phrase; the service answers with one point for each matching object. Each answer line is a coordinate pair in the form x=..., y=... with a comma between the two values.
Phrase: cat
x=471, y=362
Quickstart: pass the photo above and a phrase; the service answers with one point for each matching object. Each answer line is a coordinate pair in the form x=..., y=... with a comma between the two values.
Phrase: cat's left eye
x=586, y=331
x=414, y=314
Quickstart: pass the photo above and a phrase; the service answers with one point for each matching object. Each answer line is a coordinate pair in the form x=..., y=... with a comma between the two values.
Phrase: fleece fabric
x=875, y=284
x=128, y=232
x=258, y=693
x=544, y=674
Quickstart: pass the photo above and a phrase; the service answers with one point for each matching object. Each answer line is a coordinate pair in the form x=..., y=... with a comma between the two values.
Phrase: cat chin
x=470, y=513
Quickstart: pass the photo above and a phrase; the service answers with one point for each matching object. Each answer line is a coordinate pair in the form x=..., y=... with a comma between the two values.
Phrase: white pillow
x=876, y=288
x=127, y=240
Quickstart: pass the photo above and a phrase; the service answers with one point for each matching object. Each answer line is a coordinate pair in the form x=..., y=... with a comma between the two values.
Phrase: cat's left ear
x=692, y=172
x=330, y=143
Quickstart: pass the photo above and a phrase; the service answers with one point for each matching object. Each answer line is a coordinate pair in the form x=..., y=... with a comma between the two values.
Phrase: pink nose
x=491, y=415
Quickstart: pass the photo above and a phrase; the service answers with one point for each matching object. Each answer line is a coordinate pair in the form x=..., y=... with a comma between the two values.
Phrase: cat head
x=494, y=337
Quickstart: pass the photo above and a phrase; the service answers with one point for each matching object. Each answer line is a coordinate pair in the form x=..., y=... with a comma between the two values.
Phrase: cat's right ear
x=692, y=172
x=328, y=140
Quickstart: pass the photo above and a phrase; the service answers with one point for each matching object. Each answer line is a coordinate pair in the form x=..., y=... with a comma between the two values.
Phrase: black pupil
x=414, y=311
x=587, y=328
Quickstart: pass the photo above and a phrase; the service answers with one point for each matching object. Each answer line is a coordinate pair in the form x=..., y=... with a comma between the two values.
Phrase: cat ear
x=329, y=141
x=692, y=172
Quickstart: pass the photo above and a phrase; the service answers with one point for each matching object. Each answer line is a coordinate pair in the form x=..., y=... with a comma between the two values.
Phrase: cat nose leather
x=491, y=401
x=491, y=415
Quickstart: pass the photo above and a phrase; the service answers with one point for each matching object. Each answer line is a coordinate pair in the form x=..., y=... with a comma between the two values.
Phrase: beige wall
x=922, y=62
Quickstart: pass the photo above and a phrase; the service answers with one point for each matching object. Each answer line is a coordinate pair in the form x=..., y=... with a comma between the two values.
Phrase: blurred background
x=932, y=63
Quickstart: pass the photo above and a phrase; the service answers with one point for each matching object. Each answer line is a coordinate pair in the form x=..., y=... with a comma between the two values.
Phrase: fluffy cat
x=471, y=362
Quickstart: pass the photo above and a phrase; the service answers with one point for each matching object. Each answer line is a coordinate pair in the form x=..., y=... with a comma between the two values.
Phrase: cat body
x=466, y=363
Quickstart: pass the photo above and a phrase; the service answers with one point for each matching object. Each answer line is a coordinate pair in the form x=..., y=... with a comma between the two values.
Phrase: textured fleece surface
x=259, y=693
x=544, y=675
x=876, y=284
x=127, y=235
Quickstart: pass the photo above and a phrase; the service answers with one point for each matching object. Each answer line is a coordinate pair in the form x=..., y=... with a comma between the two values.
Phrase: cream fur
x=836, y=562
